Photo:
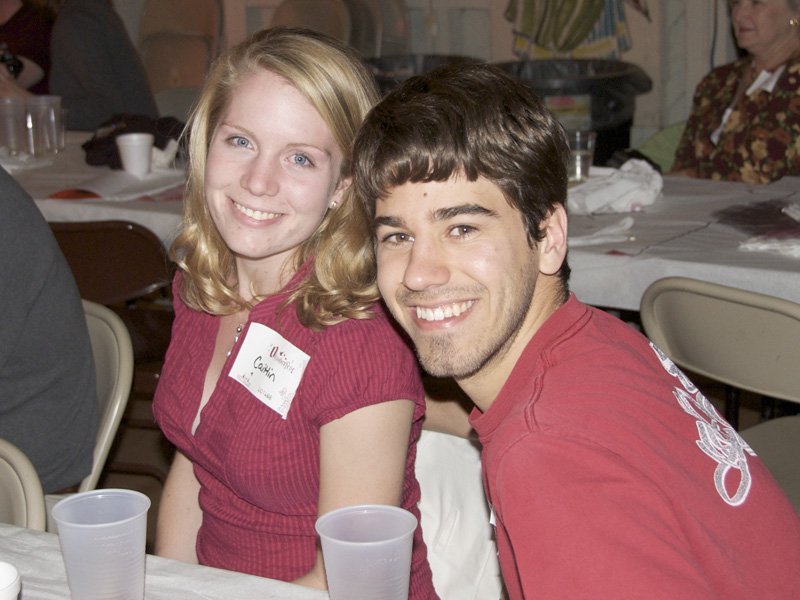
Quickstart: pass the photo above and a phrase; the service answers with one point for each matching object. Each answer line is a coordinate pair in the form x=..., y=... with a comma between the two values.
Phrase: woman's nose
x=260, y=178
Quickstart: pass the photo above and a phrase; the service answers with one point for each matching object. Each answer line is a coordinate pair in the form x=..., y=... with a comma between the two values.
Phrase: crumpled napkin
x=785, y=242
x=789, y=246
x=634, y=185
x=792, y=210
x=163, y=159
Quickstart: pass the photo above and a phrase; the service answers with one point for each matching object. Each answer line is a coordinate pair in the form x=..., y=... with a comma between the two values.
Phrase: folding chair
x=21, y=495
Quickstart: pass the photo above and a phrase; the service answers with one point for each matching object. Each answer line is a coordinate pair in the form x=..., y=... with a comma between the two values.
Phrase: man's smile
x=440, y=313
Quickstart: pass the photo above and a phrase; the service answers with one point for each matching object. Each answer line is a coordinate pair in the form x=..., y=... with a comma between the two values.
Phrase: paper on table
x=119, y=185
x=611, y=234
x=634, y=185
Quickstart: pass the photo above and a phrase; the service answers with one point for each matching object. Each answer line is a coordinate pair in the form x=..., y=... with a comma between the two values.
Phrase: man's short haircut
x=471, y=120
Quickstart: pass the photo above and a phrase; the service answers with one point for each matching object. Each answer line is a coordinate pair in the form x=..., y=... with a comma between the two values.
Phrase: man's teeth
x=441, y=313
x=255, y=214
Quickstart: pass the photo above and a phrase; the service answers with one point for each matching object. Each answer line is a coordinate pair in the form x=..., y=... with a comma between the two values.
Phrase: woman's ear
x=338, y=193
x=553, y=247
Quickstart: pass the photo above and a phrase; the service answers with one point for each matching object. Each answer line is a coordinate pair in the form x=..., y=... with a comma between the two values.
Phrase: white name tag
x=269, y=367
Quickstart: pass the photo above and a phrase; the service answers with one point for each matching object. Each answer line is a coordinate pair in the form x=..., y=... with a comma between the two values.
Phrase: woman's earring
x=794, y=22
x=334, y=204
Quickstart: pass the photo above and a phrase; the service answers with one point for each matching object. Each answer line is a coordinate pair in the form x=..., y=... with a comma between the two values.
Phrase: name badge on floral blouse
x=270, y=367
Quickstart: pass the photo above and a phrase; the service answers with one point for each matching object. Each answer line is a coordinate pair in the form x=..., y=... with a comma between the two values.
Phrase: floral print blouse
x=759, y=143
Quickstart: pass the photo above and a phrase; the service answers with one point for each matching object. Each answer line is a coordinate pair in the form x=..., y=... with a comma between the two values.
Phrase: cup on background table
x=581, y=150
x=102, y=536
x=367, y=551
x=13, y=126
x=62, y=130
x=44, y=124
x=136, y=152
x=9, y=582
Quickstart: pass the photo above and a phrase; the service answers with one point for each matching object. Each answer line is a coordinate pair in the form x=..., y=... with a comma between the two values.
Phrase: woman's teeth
x=440, y=313
x=255, y=214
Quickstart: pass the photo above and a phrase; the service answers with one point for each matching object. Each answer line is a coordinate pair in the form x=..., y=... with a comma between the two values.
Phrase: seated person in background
x=286, y=390
x=745, y=120
x=25, y=30
x=48, y=398
x=609, y=473
x=95, y=67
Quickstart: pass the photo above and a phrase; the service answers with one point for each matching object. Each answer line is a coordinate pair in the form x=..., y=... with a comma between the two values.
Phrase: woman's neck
x=777, y=56
x=259, y=280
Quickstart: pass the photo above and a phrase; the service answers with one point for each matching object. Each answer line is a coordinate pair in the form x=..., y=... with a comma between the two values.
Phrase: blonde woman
x=286, y=390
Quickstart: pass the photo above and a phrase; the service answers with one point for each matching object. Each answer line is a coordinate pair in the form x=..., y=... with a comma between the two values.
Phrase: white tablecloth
x=160, y=212
x=677, y=235
x=680, y=235
x=37, y=556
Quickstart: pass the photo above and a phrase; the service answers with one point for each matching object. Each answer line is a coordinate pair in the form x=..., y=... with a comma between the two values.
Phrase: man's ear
x=553, y=248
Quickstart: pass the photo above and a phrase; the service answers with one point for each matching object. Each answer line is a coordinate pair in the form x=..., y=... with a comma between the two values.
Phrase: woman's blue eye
x=299, y=159
x=240, y=141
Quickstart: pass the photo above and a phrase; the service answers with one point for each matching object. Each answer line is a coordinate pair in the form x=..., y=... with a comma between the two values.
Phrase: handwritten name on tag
x=270, y=367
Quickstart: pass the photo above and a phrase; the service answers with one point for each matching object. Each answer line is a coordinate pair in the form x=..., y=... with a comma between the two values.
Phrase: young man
x=609, y=473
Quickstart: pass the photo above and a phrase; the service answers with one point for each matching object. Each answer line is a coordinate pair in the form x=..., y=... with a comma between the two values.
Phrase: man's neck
x=484, y=386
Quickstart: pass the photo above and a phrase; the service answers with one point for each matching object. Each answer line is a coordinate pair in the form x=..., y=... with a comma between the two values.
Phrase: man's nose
x=426, y=267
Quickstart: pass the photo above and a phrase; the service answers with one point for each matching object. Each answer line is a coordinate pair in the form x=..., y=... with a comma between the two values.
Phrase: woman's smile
x=255, y=214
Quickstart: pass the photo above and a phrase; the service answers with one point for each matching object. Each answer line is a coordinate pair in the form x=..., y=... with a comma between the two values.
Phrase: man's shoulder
x=584, y=372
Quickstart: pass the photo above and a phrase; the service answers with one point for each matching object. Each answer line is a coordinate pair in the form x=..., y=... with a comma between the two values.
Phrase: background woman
x=25, y=27
x=285, y=389
x=745, y=120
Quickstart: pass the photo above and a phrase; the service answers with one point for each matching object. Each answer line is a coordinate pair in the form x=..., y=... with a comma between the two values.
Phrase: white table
x=161, y=212
x=37, y=556
x=678, y=235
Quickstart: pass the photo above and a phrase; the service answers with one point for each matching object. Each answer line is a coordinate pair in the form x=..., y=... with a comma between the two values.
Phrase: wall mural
x=571, y=28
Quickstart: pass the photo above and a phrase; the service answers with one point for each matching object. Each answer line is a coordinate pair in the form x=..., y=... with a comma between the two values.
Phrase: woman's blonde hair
x=341, y=283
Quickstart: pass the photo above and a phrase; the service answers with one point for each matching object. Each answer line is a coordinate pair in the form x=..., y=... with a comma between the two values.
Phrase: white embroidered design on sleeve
x=717, y=439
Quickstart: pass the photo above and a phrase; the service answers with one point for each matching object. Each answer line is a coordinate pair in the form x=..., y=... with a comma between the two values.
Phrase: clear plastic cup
x=581, y=149
x=9, y=582
x=13, y=126
x=136, y=152
x=367, y=551
x=62, y=129
x=44, y=124
x=102, y=535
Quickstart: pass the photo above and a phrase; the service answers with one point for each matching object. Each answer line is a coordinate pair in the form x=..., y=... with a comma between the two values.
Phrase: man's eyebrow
x=443, y=214
x=387, y=221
